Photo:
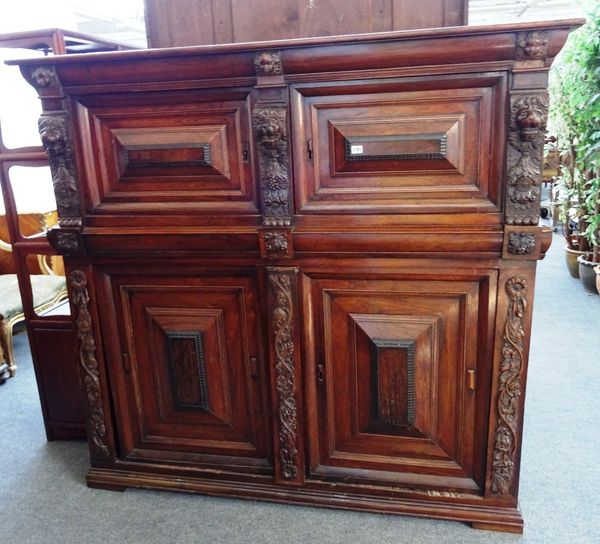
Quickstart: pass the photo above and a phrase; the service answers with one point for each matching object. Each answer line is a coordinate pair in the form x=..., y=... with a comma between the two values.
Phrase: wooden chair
x=48, y=289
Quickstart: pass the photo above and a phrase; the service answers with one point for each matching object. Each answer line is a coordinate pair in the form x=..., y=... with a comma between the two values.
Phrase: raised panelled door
x=413, y=145
x=188, y=155
x=402, y=365
x=193, y=383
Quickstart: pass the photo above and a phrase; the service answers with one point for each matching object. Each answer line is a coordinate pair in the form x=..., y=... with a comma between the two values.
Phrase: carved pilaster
x=282, y=296
x=56, y=139
x=89, y=364
x=529, y=112
x=509, y=388
x=271, y=132
x=55, y=134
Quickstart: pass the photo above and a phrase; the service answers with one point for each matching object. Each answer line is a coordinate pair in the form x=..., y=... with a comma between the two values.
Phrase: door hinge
x=254, y=367
x=471, y=380
x=126, y=362
x=245, y=153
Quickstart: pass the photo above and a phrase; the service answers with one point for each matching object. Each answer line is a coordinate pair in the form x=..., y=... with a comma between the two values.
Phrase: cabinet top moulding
x=478, y=45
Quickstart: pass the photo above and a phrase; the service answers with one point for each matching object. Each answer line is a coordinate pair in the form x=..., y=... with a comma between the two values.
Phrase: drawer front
x=402, y=365
x=192, y=386
x=387, y=150
x=169, y=153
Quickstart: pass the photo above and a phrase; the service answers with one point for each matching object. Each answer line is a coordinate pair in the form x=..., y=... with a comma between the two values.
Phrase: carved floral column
x=524, y=241
x=286, y=376
x=270, y=119
x=527, y=130
x=89, y=369
x=271, y=134
x=55, y=132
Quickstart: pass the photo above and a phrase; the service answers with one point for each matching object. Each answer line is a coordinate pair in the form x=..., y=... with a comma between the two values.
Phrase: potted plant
x=570, y=194
x=589, y=269
x=575, y=118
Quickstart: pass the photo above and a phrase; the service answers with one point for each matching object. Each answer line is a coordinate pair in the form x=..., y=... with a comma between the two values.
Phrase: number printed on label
x=356, y=149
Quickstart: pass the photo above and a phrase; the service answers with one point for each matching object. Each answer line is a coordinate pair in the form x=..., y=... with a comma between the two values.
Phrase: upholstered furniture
x=303, y=271
x=47, y=289
x=30, y=224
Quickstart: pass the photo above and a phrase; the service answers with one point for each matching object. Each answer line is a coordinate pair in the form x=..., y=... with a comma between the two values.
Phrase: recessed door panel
x=169, y=154
x=405, y=147
x=395, y=400
x=192, y=373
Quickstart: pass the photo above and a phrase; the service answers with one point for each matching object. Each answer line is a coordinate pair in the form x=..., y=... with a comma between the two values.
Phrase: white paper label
x=356, y=149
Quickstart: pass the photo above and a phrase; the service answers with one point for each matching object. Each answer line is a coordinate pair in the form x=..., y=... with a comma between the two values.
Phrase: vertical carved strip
x=509, y=387
x=529, y=113
x=271, y=132
x=56, y=139
x=89, y=364
x=55, y=133
x=285, y=385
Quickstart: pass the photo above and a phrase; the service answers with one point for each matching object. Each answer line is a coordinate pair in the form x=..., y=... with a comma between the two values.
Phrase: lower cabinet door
x=191, y=383
x=400, y=371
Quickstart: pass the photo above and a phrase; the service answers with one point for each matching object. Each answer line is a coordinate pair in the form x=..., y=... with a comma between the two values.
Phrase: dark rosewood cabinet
x=303, y=271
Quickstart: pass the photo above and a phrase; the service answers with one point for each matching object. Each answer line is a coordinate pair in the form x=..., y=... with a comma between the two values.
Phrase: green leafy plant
x=575, y=116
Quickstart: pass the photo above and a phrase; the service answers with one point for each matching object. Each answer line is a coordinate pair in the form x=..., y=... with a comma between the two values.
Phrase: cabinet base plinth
x=500, y=527
x=317, y=493
x=106, y=486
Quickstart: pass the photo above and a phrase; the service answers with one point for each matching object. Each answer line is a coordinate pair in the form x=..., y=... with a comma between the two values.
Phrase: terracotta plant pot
x=597, y=270
x=587, y=274
x=571, y=259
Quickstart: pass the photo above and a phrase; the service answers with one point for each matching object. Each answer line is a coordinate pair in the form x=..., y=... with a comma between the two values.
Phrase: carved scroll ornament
x=89, y=364
x=509, y=387
x=56, y=139
x=268, y=64
x=521, y=243
x=270, y=128
x=276, y=243
x=529, y=113
x=532, y=45
x=284, y=372
x=67, y=242
x=43, y=77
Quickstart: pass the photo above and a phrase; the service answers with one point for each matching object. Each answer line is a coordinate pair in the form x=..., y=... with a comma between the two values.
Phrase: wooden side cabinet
x=199, y=22
x=303, y=271
x=52, y=337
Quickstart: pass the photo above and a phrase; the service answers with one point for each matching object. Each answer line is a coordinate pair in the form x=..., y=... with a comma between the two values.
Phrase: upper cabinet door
x=167, y=153
x=191, y=384
x=400, y=370
x=419, y=145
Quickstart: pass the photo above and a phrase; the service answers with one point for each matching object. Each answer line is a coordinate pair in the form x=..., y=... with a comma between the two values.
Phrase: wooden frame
x=52, y=338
